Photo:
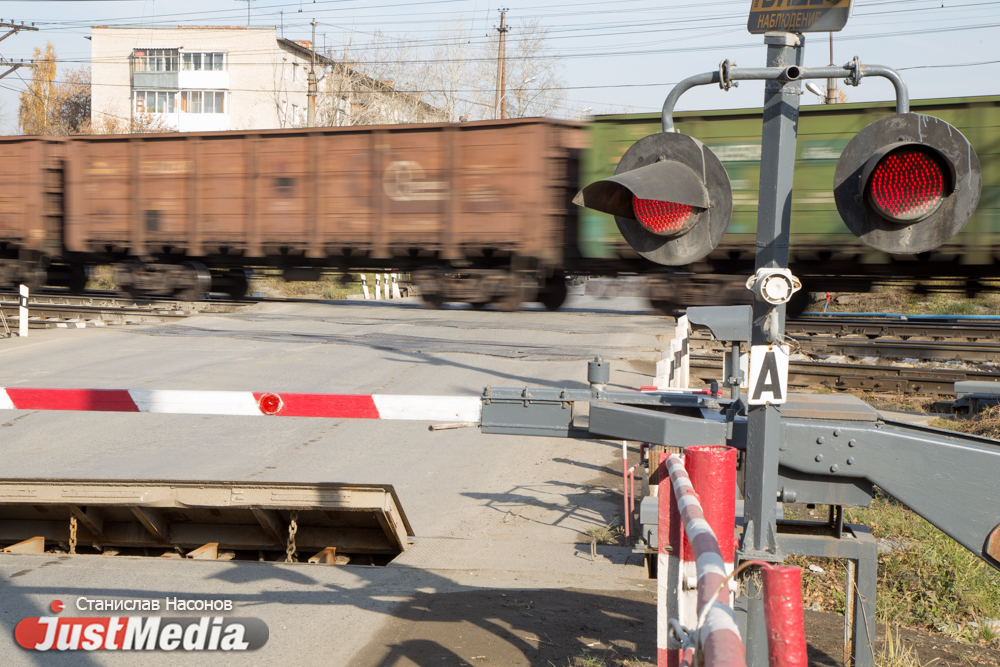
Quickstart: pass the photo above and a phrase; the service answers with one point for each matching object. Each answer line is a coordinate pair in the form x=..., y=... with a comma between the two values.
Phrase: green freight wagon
x=824, y=253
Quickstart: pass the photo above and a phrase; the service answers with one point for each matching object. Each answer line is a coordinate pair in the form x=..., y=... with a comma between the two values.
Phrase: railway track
x=969, y=347
x=877, y=328
x=48, y=310
x=875, y=378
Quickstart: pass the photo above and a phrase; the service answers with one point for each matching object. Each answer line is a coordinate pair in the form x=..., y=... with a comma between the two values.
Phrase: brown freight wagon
x=478, y=212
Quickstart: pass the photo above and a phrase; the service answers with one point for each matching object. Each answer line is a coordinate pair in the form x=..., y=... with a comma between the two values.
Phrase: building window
x=203, y=62
x=203, y=101
x=154, y=101
x=154, y=60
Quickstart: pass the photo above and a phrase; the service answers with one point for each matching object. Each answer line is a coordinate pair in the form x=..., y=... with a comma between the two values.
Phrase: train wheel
x=233, y=282
x=668, y=308
x=199, y=282
x=553, y=294
x=79, y=276
x=432, y=299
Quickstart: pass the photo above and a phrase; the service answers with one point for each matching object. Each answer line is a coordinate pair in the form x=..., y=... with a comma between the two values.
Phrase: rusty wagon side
x=479, y=211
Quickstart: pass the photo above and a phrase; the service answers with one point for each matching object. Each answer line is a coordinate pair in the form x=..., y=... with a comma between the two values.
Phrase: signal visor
x=670, y=196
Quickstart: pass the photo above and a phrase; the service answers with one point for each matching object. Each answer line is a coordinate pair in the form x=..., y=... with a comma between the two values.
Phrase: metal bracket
x=727, y=323
x=857, y=72
x=726, y=75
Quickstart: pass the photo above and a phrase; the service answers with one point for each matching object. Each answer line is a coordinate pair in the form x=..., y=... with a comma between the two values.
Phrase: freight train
x=476, y=212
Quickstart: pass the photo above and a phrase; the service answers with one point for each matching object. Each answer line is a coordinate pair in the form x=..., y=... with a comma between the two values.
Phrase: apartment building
x=198, y=78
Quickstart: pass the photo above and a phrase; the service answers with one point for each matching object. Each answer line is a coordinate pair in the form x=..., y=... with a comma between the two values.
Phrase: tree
x=71, y=103
x=63, y=108
x=35, y=113
x=375, y=83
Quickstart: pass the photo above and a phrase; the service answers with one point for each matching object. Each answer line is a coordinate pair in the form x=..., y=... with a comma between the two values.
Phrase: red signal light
x=907, y=184
x=661, y=217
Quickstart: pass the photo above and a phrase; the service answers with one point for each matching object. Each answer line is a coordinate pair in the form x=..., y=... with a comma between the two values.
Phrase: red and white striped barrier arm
x=719, y=635
x=246, y=403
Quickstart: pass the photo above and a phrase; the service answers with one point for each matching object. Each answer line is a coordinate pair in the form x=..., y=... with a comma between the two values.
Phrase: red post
x=786, y=635
x=712, y=470
x=668, y=545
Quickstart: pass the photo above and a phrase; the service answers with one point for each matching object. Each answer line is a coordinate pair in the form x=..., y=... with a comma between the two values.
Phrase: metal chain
x=293, y=527
x=72, y=534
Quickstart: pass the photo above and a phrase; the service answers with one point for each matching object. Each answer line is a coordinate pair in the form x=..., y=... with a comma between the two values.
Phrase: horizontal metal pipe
x=782, y=74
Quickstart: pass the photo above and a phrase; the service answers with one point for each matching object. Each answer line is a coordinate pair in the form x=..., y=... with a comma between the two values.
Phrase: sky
x=617, y=56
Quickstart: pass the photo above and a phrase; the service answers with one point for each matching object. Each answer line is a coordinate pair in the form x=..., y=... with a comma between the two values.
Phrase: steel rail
x=916, y=381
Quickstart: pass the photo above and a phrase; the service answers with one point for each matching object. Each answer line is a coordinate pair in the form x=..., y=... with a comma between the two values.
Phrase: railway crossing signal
x=907, y=183
x=670, y=196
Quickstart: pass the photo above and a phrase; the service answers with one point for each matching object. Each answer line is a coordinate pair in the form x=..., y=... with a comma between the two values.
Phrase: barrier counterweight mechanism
x=905, y=184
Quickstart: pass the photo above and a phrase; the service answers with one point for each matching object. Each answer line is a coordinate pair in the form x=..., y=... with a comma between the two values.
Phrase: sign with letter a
x=768, y=374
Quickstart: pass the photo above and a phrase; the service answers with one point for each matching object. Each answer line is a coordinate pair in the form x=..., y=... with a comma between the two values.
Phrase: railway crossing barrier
x=672, y=202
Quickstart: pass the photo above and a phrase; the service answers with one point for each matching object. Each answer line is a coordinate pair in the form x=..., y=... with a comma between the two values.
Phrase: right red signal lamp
x=907, y=183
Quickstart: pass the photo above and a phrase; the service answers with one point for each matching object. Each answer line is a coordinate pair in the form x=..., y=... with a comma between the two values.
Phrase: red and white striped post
x=690, y=576
x=783, y=617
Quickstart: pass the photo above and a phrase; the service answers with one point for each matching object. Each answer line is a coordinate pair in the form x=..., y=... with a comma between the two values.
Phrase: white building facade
x=196, y=79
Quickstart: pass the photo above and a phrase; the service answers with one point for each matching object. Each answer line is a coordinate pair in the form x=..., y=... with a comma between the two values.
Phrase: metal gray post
x=781, y=118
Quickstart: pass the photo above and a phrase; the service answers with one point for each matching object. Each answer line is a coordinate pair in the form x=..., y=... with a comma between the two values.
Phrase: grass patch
x=895, y=653
x=986, y=423
x=330, y=286
x=926, y=581
x=898, y=299
x=609, y=534
x=102, y=277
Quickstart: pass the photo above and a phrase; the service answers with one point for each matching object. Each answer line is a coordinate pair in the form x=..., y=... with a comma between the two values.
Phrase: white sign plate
x=768, y=374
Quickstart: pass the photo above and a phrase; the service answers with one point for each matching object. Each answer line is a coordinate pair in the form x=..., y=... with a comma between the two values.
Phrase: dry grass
x=896, y=299
x=986, y=423
x=926, y=581
x=103, y=278
x=610, y=534
x=895, y=653
x=328, y=287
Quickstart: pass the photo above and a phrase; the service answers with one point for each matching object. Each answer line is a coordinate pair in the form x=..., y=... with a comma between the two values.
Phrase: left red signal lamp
x=670, y=196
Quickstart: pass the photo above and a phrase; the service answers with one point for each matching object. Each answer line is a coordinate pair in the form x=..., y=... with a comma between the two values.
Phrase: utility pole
x=831, y=84
x=13, y=29
x=501, y=59
x=248, y=10
x=311, y=117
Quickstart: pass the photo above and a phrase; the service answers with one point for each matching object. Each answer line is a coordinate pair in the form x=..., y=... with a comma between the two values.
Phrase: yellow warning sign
x=798, y=15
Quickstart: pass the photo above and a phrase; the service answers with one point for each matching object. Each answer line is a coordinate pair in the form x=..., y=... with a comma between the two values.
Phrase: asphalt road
x=490, y=512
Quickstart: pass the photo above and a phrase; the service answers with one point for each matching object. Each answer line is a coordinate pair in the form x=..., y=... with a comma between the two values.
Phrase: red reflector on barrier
x=907, y=184
x=661, y=216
